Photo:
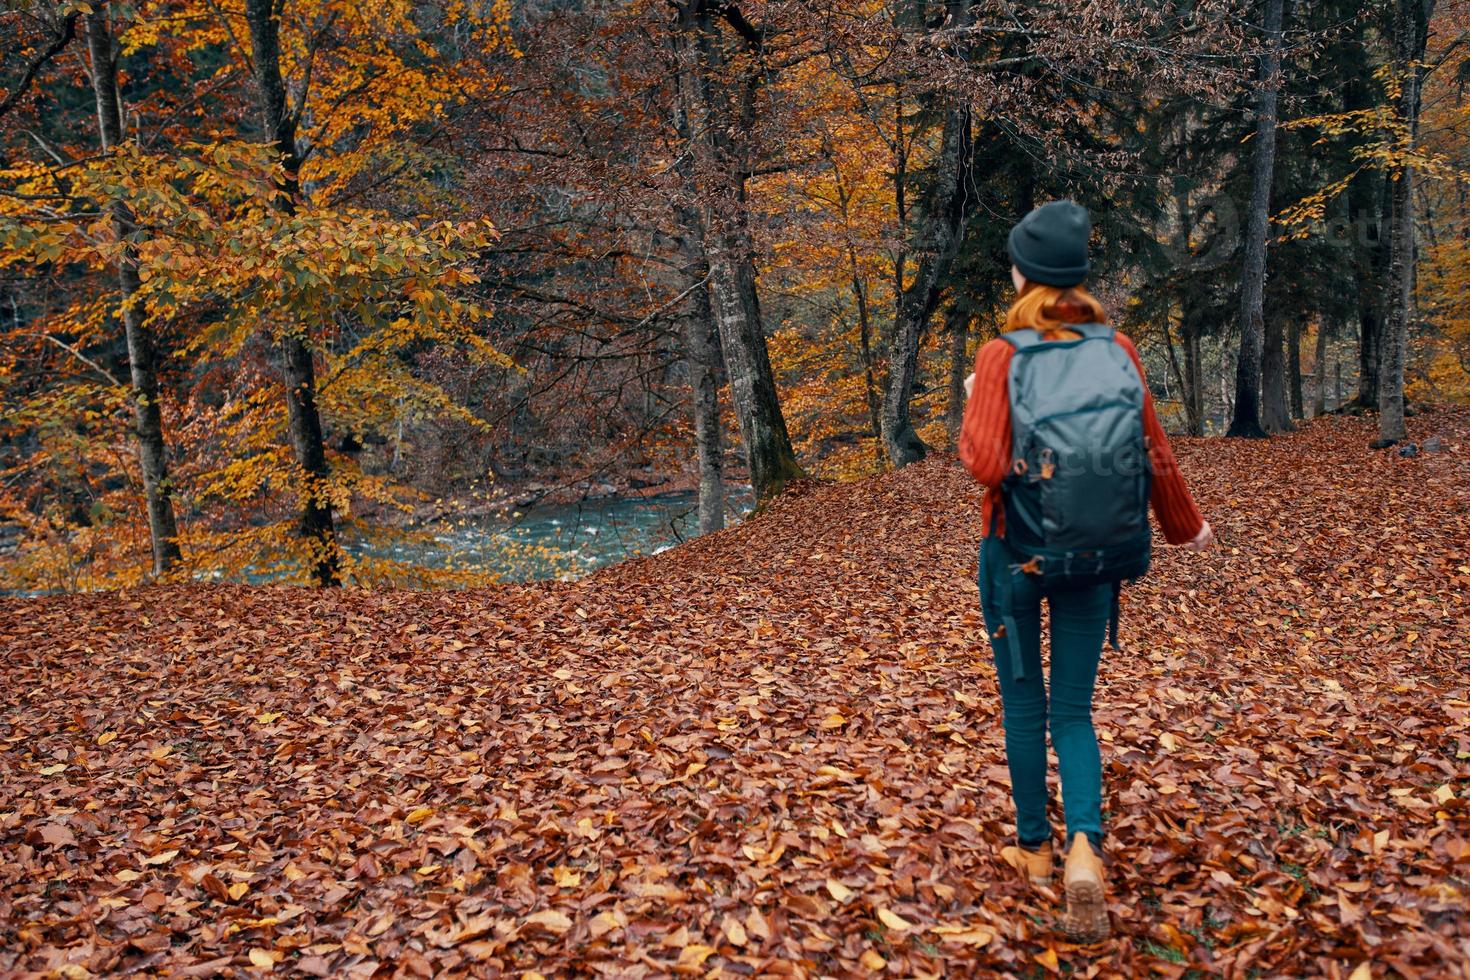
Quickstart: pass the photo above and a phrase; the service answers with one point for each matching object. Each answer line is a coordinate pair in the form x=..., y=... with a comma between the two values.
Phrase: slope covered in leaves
x=776, y=749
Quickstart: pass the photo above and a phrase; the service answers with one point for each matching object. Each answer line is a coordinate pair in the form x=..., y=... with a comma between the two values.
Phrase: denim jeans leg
x=1079, y=620
x=1023, y=702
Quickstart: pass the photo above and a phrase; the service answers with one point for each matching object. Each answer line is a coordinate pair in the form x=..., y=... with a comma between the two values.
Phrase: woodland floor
x=774, y=750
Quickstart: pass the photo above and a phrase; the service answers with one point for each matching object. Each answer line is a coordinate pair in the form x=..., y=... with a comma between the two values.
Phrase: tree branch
x=68, y=32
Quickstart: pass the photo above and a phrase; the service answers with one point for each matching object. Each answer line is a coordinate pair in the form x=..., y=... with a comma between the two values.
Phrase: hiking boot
x=1035, y=865
x=1086, y=919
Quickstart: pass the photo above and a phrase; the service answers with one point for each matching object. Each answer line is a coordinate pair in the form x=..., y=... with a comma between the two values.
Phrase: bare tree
x=719, y=103
x=937, y=240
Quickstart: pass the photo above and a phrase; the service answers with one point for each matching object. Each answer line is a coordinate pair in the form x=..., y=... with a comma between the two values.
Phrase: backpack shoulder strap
x=1022, y=339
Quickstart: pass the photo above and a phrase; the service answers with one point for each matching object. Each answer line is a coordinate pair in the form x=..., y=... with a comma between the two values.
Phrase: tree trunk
x=701, y=350
x=719, y=174
x=1319, y=369
x=937, y=241
x=1410, y=34
x=870, y=371
x=1194, y=380
x=865, y=321
x=1178, y=373
x=315, y=525
x=1246, y=419
x=163, y=530
x=1274, y=415
x=957, y=326
x=701, y=356
x=700, y=353
x=1294, y=366
x=1367, y=197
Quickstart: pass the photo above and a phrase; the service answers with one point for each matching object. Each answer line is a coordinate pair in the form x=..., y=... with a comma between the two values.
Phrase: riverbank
x=776, y=748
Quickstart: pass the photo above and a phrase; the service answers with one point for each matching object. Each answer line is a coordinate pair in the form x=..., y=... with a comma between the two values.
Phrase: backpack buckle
x=1074, y=562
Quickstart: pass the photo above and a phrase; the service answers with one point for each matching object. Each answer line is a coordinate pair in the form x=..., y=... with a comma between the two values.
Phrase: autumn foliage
x=774, y=750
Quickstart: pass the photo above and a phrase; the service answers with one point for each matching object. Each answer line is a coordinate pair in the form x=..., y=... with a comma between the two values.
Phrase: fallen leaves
x=264, y=959
x=739, y=757
x=839, y=892
x=551, y=920
x=894, y=921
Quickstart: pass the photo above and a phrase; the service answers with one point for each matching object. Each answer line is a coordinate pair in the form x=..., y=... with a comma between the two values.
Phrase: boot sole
x=1087, y=912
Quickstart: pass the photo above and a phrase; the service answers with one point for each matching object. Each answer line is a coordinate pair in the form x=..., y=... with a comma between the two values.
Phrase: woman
x=1048, y=249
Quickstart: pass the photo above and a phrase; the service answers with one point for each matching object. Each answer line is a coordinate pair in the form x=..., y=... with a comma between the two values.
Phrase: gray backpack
x=1076, y=499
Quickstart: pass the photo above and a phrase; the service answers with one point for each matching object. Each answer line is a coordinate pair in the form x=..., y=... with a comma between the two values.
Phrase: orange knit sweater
x=985, y=446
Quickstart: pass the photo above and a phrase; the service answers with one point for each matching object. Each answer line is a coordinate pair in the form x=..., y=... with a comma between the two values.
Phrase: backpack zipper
x=1081, y=411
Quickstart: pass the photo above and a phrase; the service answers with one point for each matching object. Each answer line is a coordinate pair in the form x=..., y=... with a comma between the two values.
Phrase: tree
x=298, y=370
x=1247, y=418
x=936, y=242
x=719, y=75
x=146, y=397
x=1411, y=32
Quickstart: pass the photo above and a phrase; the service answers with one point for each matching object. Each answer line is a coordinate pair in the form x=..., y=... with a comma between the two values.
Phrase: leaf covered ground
x=774, y=750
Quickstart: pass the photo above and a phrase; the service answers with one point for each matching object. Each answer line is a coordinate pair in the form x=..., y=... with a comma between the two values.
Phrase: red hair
x=1050, y=308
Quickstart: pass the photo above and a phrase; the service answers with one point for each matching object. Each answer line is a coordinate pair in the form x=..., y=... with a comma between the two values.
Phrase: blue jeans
x=1079, y=620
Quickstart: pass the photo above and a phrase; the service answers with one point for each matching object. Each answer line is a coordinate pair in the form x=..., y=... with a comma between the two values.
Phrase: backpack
x=1076, y=498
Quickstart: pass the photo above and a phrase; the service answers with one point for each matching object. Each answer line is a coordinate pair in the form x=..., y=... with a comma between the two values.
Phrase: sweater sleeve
x=985, y=436
x=1176, y=510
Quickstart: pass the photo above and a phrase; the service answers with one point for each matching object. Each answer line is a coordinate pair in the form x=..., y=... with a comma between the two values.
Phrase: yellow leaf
x=1168, y=741
x=1444, y=794
x=162, y=857
x=977, y=936
x=734, y=931
x=53, y=770
x=127, y=874
x=1048, y=959
x=106, y=737
x=834, y=720
x=566, y=877
x=894, y=921
x=267, y=717
x=838, y=890
x=264, y=959
x=872, y=960
x=237, y=890
x=421, y=814
x=1363, y=971
x=694, y=955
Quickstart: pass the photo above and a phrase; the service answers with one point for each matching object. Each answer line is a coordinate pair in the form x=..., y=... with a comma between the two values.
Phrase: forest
x=289, y=287
x=479, y=490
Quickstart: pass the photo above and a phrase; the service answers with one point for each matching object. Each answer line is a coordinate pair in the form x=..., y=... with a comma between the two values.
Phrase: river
x=561, y=541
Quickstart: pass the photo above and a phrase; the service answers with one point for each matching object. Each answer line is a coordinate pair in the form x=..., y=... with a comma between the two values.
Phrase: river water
x=561, y=541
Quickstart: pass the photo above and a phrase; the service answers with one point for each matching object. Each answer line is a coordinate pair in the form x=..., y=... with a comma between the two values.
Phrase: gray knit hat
x=1049, y=245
